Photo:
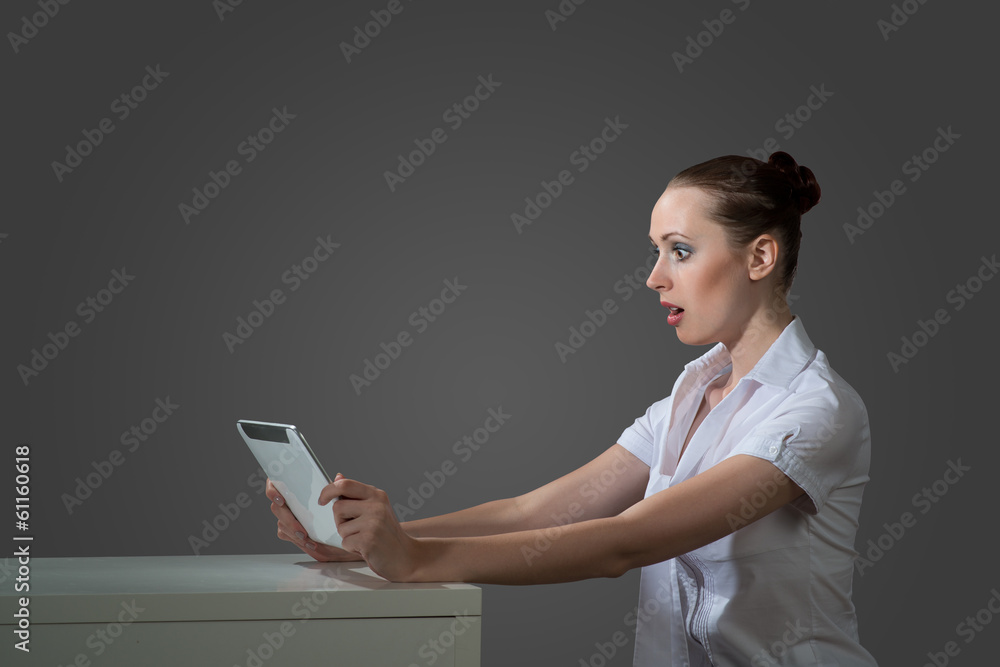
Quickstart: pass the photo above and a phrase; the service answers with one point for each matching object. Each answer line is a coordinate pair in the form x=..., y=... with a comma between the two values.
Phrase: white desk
x=249, y=611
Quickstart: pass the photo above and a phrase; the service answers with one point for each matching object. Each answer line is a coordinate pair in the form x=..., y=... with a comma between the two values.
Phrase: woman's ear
x=763, y=258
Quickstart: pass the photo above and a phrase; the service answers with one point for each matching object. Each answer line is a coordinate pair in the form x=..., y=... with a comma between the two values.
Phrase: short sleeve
x=819, y=440
x=639, y=438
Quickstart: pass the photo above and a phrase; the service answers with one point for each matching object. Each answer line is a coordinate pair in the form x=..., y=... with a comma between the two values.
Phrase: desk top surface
x=66, y=590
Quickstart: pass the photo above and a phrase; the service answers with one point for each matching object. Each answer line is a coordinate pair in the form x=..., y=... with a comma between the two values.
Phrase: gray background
x=323, y=175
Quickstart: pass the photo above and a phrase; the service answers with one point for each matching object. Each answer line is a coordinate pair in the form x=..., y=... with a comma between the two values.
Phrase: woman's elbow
x=617, y=567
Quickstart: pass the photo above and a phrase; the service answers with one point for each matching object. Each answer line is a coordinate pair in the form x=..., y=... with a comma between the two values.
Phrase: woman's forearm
x=583, y=550
x=490, y=518
x=673, y=521
x=605, y=487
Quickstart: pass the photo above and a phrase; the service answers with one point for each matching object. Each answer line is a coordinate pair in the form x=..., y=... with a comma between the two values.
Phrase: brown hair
x=751, y=197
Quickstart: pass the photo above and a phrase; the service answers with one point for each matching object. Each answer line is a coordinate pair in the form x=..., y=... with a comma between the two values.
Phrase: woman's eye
x=677, y=248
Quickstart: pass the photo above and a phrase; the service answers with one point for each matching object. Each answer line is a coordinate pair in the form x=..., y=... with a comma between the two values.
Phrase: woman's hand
x=290, y=530
x=369, y=528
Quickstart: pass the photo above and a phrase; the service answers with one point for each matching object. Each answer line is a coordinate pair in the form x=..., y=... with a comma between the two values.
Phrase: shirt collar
x=781, y=362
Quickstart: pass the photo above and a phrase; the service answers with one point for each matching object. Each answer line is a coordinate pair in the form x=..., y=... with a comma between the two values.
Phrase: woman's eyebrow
x=664, y=237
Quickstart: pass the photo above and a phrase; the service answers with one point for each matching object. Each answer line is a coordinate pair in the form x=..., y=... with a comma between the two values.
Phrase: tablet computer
x=293, y=468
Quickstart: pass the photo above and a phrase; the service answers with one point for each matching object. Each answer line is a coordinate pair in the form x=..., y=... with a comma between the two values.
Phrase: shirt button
x=773, y=450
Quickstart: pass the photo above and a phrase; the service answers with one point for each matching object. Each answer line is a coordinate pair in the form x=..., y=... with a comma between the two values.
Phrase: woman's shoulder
x=818, y=381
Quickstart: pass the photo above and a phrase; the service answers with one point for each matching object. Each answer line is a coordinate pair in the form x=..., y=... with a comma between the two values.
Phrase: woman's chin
x=688, y=338
x=683, y=337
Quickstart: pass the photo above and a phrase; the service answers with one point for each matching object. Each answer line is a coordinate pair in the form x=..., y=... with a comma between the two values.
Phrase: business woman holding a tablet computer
x=738, y=494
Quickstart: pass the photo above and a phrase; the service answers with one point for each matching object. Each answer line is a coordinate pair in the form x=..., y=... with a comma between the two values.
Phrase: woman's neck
x=754, y=341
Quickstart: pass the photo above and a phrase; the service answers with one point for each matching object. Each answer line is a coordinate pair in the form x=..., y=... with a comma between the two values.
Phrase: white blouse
x=776, y=591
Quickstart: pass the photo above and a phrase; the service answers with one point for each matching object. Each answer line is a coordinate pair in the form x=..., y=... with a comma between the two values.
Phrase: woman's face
x=697, y=271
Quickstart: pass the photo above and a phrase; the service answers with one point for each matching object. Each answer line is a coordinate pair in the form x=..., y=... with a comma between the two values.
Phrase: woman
x=738, y=495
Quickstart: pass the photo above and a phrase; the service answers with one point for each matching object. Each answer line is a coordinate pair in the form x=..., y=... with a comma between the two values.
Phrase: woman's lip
x=667, y=304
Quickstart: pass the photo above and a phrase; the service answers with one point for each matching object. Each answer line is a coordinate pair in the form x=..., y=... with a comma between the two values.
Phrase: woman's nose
x=658, y=277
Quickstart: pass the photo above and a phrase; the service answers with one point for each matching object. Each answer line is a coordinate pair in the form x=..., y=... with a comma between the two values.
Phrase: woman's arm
x=605, y=486
x=674, y=521
x=602, y=487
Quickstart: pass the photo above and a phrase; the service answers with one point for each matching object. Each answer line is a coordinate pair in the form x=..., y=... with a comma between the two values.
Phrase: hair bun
x=804, y=190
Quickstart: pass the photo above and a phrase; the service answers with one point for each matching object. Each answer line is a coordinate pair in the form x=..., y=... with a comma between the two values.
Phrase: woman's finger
x=271, y=491
x=346, y=509
x=287, y=519
x=347, y=488
x=352, y=527
x=298, y=537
